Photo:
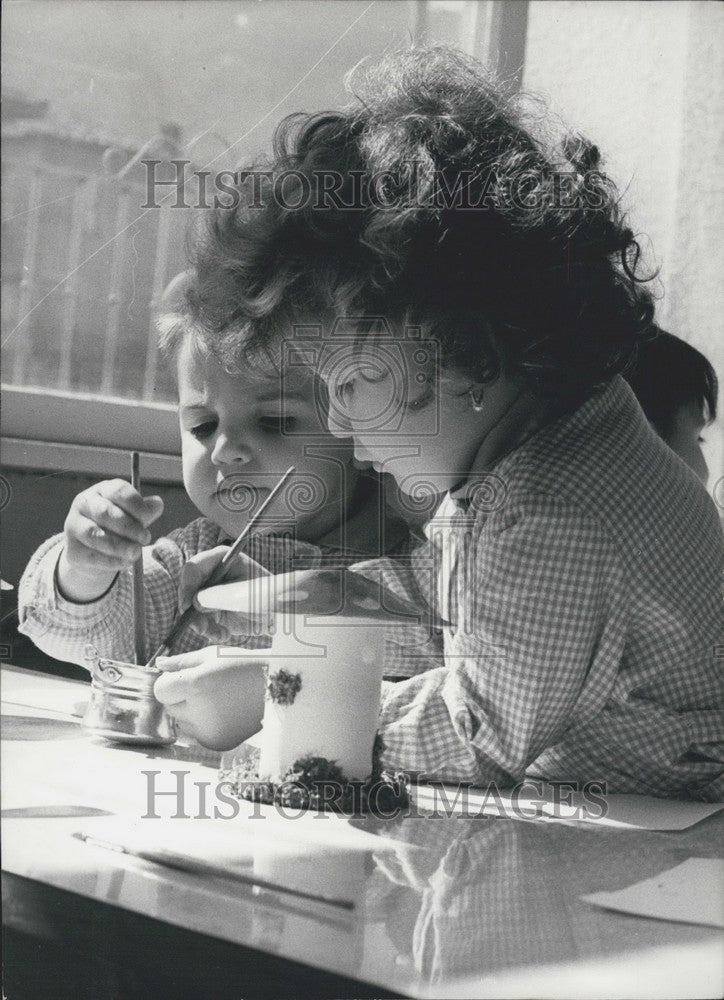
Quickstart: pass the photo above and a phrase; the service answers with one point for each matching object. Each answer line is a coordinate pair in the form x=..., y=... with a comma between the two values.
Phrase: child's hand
x=219, y=700
x=105, y=528
x=222, y=625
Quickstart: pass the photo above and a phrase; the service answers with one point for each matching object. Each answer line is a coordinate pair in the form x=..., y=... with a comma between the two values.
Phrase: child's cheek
x=194, y=464
x=286, y=450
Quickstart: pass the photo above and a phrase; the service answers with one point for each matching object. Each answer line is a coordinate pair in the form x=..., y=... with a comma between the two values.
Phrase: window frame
x=83, y=432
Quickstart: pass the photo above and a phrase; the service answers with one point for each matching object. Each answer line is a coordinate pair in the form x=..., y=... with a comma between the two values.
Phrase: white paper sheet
x=691, y=893
x=638, y=812
x=632, y=812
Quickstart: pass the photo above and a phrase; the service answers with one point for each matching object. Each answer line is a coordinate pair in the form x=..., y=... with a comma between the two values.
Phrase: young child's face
x=683, y=436
x=238, y=438
x=401, y=420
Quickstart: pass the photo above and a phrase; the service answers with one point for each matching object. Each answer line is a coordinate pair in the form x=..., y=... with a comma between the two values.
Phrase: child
x=585, y=613
x=239, y=433
x=677, y=389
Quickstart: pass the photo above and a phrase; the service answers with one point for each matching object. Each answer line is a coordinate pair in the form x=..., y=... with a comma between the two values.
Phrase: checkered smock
x=63, y=628
x=582, y=579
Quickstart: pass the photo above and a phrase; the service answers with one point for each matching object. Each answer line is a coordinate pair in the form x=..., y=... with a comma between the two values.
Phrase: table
x=446, y=907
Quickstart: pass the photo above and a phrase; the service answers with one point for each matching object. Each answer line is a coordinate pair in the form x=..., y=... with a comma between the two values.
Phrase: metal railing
x=68, y=235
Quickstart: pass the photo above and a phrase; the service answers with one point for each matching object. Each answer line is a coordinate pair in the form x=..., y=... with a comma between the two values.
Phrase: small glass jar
x=122, y=706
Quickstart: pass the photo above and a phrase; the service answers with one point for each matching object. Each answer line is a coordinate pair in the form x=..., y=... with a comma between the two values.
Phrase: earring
x=477, y=401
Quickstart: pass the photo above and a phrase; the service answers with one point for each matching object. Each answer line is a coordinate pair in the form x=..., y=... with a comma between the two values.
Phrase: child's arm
x=541, y=672
x=542, y=614
x=63, y=628
x=75, y=590
x=531, y=607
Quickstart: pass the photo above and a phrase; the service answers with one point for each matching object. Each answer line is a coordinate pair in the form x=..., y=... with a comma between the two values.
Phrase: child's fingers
x=182, y=661
x=234, y=623
x=196, y=572
x=204, y=563
x=183, y=720
x=145, y=510
x=182, y=683
x=172, y=688
x=92, y=536
x=94, y=560
x=243, y=567
x=108, y=515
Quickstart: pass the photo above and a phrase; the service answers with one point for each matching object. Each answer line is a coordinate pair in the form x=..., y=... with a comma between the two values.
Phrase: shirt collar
x=492, y=459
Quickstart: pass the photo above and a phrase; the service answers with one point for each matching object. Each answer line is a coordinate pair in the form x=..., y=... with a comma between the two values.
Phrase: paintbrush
x=218, y=573
x=139, y=617
x=195, y=866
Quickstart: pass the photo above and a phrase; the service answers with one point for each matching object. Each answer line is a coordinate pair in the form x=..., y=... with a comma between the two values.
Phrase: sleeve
x=63, y=629
x=641, y=746
x=415, y=647
x=539, y=604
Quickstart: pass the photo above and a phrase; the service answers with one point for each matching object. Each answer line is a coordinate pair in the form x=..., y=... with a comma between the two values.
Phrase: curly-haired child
x=240, y=430
x=585, y=613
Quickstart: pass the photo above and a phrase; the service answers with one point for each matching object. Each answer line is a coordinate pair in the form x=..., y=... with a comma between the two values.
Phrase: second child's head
x=242, y=429
x=677, y=389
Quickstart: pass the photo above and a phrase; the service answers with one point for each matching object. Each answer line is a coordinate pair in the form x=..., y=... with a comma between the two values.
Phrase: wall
x=645, y=81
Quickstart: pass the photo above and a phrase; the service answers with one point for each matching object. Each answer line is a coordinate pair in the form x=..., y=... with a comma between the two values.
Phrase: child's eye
x=422, y=401
x=369, y=370
x=205, y=430
x=278, y=424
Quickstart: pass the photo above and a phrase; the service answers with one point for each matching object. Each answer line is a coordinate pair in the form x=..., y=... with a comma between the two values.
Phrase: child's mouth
x=241, y=498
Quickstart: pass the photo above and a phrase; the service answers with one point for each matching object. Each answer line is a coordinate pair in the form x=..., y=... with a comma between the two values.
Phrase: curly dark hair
x=453, y=210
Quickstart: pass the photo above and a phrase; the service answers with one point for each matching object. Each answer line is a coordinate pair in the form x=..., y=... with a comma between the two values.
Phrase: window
x=83, y=268
x=84, y=264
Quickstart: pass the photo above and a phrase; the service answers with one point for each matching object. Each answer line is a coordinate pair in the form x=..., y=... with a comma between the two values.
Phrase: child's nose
x=230, y=451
